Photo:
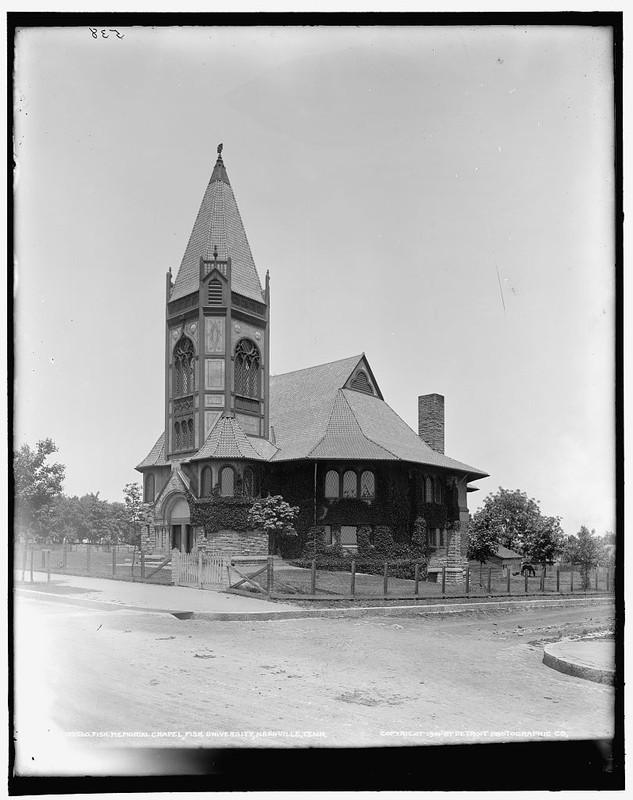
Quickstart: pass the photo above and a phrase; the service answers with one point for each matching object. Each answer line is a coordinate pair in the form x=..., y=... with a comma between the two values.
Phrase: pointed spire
x=219, y=171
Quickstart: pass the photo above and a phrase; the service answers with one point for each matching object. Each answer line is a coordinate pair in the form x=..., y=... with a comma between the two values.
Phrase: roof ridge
x=320, y=441
x=315, y=366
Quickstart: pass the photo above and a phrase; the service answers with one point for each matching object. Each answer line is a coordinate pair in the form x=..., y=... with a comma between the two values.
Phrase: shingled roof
x=219, y=224
x=314, y=417
x=228, y=440
x=156, y=456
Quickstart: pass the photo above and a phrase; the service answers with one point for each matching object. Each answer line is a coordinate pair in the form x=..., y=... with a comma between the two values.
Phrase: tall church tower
x=217, y=329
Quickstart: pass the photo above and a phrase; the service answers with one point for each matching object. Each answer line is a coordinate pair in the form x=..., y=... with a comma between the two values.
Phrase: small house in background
x=502, y=561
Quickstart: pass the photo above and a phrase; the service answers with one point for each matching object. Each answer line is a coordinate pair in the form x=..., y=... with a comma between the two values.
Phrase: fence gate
x=203, y=569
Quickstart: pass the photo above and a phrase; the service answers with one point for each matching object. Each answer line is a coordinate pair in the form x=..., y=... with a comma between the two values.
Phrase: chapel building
x=323, y=437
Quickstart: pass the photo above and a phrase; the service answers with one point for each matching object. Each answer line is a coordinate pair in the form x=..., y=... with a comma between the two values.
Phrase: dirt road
x=310, y=682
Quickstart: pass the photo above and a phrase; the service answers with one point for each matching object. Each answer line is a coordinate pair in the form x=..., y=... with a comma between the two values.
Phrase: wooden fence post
x=199, y=568
x=571, y=584
x=608, y=573
x=24, y=556
x=596, y=579
x=526, y=582
x=467, y=580
x=114, y=561
x=31, y=566
x=385, y=583
x=558, y=580
x=489, y=579
x=142, y=563
x=353, y=579
x=313, y=577
x=270, y=574
x=509, y=577
x=416, y=577
x=443, y=579
x=543, y=581
x=64, y=557
x=88, y=554
x=48, y=566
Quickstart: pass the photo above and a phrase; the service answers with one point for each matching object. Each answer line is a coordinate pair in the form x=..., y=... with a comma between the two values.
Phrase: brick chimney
x=431, y=420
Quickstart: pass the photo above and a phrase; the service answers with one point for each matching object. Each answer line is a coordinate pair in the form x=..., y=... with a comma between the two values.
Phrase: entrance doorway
x=182, y=533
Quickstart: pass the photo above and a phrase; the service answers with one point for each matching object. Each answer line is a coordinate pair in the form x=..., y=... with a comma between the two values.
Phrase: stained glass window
x=350, y=484
x=428, y=483
x=367, y=485
x=438, y=490
x=184, y=374
x=331, y=485
x=247, y=369
x=207, y=482
x=248, y=482
x=227, y=481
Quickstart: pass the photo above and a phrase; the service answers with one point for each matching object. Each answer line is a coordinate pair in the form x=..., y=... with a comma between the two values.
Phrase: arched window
x=191, y=436
x=428, y=485
x=184, y=373
x=248, y=482
x=247, y=369
x=438, y=490
x=350, y=480
x=178, y=443
x=332, y=485
x=206, y=482
x=149, y=488
x=227, y=482
x=367, y=485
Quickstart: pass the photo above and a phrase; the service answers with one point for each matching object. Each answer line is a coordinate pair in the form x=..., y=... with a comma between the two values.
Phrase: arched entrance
x=182, y=533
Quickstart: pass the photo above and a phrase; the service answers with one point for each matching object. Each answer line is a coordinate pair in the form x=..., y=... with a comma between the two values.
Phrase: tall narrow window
x=227, y=482
x=247, y=369
x=191, y=435
x=428, y=483
x=248, y=482
x=438, y=490
x=178, y=442
x=367, y=485
x=184, y=373
x=206, y=482
x=331, y=485
x=349, y=484
x=149, y=488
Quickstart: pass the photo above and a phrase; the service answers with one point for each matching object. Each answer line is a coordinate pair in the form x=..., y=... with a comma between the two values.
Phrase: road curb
x=392, y=611
x=567, y=664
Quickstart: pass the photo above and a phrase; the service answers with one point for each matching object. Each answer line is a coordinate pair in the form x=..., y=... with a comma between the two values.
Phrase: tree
x=38, y=484
x=584, y=549
x=544, y=543
x=483, y=542
x=274, y=516
x=511, y=514
x=136, y=512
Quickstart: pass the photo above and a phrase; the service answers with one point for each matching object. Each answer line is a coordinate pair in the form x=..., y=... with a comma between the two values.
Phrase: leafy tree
x=511, y=514
x=38, y=484
x=584, y=549
x=544, y=543
x=136, y=512
x=274, y=516
x=483, y=542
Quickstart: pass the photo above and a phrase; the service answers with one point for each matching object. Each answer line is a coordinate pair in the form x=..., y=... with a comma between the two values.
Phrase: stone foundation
x=234, y=543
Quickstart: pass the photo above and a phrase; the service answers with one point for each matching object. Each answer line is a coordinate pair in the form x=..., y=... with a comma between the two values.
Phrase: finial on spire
x=215, y=252
x=220, y=148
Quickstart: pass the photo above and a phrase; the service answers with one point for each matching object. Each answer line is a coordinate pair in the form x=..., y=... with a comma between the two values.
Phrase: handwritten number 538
x=105, y=33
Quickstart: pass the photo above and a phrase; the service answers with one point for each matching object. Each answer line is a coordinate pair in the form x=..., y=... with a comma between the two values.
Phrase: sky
x=440, y=199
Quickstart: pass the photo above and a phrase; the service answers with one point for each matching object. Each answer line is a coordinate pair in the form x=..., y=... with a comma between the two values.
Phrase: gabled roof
x=219, y=224
x=228, y=440
x=504, y=552
x=313, y=416
x=178, y=482
x=156, y=456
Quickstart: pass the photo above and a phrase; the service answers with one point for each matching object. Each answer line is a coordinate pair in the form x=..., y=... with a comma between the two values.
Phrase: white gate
x=206, y=570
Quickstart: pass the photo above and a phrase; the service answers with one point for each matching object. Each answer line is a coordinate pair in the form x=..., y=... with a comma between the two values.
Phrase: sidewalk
x=219, y=606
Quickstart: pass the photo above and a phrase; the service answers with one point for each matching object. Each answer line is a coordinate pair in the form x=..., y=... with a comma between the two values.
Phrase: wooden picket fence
x=202, y=569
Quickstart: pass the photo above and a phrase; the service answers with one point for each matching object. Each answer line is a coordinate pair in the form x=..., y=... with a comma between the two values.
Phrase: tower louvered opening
x=215, y=293
x=361, y=383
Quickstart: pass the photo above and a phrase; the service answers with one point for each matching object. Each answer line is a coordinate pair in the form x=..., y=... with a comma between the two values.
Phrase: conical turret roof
x=219, y=225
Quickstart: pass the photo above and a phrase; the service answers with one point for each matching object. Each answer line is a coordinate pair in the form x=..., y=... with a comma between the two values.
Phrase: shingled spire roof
x=219, y=224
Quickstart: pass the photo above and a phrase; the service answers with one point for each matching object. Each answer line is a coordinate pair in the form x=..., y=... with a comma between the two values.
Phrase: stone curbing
x=587, y=659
